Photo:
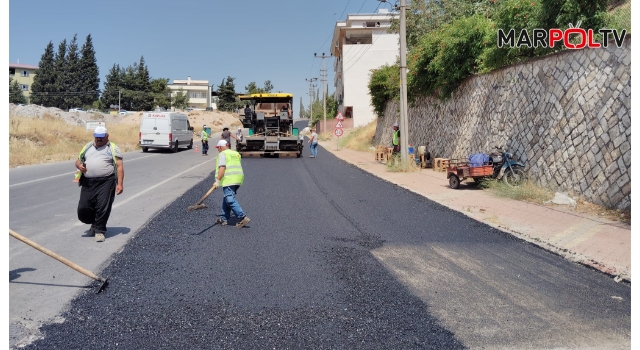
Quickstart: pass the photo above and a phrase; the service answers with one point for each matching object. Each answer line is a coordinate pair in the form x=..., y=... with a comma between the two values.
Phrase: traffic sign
x=339, y=132
x=339, y=124
x=339, y=116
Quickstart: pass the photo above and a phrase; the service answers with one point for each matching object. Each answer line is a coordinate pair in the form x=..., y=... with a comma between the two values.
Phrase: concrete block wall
x=567, y=115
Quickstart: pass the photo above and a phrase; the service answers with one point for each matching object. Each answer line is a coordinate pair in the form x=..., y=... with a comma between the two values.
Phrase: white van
x=165, y=130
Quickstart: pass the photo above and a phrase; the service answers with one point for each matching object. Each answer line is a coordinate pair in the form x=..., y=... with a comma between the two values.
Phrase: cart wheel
x=454, y=181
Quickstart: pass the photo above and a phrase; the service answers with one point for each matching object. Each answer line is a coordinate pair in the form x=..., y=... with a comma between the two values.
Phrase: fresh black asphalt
x=302, y=275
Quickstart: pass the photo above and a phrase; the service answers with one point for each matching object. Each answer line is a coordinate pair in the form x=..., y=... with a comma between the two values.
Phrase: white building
x=198, y=91
x=361, y=43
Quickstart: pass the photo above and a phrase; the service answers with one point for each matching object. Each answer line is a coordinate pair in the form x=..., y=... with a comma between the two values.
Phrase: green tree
x=181, y=99
x=268, y=87
x=112, y=86
x=15, y=92
x=227, y=99
x=73, y=82
x=60, y=67
x=143, y=96
x=252, y=88
x=88, y=73
x=161, y=92
x=44, y=80
x=302, y=112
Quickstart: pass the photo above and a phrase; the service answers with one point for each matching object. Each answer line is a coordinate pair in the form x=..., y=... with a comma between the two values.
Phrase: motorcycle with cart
x=498, y=165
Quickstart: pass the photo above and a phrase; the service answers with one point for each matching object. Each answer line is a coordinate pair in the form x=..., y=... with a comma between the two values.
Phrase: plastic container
x=295, y=131
x=410, y=149
x=250, y=132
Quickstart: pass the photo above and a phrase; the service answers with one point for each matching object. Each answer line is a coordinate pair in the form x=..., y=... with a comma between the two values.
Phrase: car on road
x=76, y=110
x=122, y=111
x=188, y=109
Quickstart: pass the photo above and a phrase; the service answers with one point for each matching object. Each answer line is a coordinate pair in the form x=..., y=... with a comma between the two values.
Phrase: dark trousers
x=396, y=148
x=205, y=146
x=96, y=199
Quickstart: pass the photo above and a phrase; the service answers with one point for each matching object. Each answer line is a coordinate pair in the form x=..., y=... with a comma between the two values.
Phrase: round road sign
x=338, y=132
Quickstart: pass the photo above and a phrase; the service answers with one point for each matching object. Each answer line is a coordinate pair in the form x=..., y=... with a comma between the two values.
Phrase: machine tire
x=175, y=148
x=454, y=181
x=145, y=149
x=190, y=144
x=514, y=178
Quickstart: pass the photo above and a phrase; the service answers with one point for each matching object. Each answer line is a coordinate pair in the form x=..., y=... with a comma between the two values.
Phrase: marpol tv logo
x=571, y=38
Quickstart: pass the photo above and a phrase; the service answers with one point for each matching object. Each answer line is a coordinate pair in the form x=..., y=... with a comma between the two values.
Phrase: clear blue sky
x=251, y=40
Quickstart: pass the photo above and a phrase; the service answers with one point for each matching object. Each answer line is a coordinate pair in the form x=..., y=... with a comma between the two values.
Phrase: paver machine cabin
x=269, y=118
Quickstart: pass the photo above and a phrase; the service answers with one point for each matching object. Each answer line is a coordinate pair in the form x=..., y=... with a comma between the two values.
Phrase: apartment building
x=198, y=91
x=23, y=74
x=361, y=43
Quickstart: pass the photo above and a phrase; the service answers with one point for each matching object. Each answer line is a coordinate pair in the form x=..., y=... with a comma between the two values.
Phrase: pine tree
x=89, y=73
x=143, y=98
x=72, y=75
x=227, y=95
x=60, y=69
x=302, y=112
x=15, y=92
x=267, y=86
x=112, y=85
x=45, y=79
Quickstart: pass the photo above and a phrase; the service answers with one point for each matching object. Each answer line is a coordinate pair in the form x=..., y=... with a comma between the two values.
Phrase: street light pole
x=324, y=90
x=119, y=108
x=404, y=121
x=311, y=80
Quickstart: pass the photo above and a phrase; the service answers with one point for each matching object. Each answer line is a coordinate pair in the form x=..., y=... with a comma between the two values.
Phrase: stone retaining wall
x=567, y=115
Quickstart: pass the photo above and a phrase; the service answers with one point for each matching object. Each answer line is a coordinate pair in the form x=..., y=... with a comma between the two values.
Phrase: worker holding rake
x=229, y=176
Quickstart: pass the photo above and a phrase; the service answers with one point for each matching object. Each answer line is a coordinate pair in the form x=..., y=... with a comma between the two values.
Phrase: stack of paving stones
x=567, y=115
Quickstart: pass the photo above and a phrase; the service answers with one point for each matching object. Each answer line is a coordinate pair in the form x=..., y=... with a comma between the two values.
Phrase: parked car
x=209, y=108
x=122, y=111
x=188, y=109
x=76, y=110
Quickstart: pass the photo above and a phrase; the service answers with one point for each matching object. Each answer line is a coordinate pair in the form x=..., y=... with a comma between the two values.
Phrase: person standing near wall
x=396, y=138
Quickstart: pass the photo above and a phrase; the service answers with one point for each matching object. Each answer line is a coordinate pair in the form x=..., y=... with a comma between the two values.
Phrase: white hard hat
x=221, y=143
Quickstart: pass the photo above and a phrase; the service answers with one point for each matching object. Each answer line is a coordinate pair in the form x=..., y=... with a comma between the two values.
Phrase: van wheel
x=190, y=144
x=145, y=149
x=175, y=148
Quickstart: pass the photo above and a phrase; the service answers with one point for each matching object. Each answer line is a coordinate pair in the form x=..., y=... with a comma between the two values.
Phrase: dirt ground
x=216, y=120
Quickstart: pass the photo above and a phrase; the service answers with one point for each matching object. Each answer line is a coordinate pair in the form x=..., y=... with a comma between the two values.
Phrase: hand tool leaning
x=61, y=259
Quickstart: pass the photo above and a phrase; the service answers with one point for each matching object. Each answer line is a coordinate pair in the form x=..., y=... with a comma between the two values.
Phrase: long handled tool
x=61, y=259
x=199, y=205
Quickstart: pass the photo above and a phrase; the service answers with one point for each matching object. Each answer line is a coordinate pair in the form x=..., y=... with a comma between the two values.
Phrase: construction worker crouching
x=229, y=176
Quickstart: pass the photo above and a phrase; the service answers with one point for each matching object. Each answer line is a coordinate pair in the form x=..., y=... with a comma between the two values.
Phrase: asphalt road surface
x=336, y=258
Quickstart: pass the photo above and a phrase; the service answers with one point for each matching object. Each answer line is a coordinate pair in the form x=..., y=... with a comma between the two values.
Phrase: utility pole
x=311, y=80
x=404, y=121
x=324, y=90
x=119, y=108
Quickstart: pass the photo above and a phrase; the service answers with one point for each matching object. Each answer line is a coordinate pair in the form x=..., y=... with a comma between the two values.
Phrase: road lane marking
x=158, y=184
x=65, y=174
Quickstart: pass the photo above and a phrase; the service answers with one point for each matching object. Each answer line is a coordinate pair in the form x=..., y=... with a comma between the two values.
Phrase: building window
x=24, y=87
x=24, y=73
x=197, y=94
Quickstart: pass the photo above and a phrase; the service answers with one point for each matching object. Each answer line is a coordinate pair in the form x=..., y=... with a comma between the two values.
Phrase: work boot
x=221, y=222
x=245, y=220
x=99, y=237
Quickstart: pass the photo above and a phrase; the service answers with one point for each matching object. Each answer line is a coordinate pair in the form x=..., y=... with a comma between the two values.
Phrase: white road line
x=66, y=174
x=161, y=183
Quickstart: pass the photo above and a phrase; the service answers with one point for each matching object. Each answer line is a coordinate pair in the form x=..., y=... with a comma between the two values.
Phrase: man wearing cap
x=229, y=176
x=205, y=140
x=101, y=175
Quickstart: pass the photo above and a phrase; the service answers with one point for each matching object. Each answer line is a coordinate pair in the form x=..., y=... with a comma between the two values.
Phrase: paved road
x=336, y=258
